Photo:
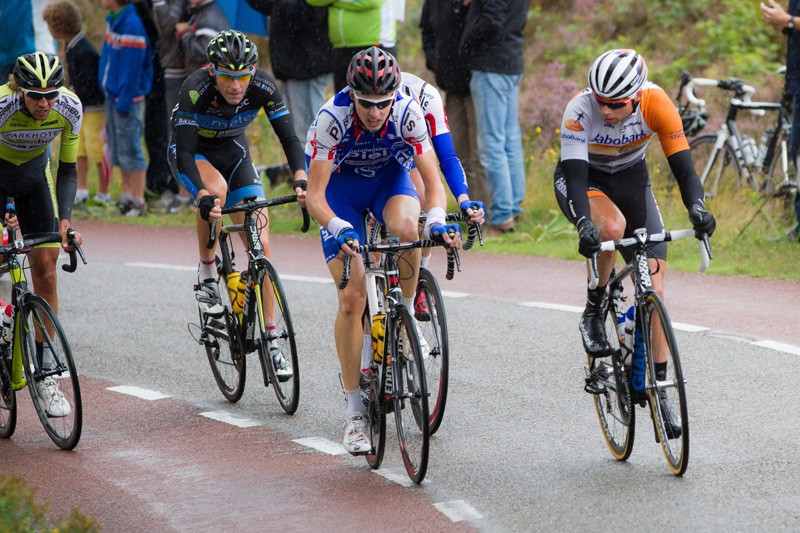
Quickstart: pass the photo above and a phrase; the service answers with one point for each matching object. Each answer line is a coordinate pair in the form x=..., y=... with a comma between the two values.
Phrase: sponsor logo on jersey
x=194, y=96
x=574, y=124
x=618, y=141
x=569, y=137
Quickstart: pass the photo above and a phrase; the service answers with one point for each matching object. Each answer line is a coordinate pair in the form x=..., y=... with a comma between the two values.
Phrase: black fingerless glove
x=302, y=184
x=702, y=221
x=206, y=204
x=589, y=238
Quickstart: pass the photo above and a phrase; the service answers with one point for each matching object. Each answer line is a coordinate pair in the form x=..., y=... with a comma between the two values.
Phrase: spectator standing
x=442, y=25
x=301, y=55
x=16, y=25
x=354, y=26
x=64, y=20
x=493, y=42
x=167, y=13
x=205, y=19
x=126, y=76
x=784, y=21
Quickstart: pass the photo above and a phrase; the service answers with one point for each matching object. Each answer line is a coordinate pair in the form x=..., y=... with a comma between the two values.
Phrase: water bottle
x=6, y=325
x=378, y=332
x=637, y=370
x=749, y=150
x=237, y=298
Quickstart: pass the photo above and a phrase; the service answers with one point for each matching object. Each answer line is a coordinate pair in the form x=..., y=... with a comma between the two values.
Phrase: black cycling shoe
x=593, y=331
x=672, y=420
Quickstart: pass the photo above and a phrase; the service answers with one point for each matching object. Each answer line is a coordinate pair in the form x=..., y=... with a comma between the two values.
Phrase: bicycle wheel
x=409, y=393
x=615, y=412
x=667, y=396
x=224, y=350
x=50, y=372
x=719, y=170
x=8, y=398
x=433, y=328
x=277, y=347
x=376, y=414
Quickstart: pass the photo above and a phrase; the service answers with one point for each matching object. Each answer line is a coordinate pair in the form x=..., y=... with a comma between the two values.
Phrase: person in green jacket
x=354, y=25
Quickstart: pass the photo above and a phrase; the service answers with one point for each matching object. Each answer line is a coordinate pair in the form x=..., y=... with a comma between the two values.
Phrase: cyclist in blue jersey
x=363, y=142
x=209, y=152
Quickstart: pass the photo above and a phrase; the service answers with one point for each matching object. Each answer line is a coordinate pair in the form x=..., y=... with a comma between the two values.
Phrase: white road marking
x=144, y=394
x=307, y=279
x=222, y=416
x=163, y=266
x=400, y=479
x=557, y=307
x=458, y=510
x=781, y=347
x=691, y=328
x=453, y=294
x=322, y=445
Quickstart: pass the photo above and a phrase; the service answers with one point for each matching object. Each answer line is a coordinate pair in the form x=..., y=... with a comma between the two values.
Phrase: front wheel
x=277, y=349
x=430, y=316
x=719, y=170
x=224, y=350
x=409, y=393
x=50, y=372
x=667, y=393
x=8, y=400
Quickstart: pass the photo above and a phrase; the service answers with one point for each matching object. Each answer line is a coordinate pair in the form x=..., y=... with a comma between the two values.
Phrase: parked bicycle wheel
x=615, y=412
x=409, y=393
x=8, y=399
x=723, y=177
x=277, y=349
x=667, y=393
x=56, y=395
x=224, y=349
x=430, y=315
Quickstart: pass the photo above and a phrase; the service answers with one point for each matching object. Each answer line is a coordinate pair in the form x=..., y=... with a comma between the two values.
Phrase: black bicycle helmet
x=617, y=74
x=38, y=71
x=373, y=71
x=232, y=49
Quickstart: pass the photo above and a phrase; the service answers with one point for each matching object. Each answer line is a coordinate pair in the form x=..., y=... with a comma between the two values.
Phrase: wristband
x=337, y=225
x=436, y=215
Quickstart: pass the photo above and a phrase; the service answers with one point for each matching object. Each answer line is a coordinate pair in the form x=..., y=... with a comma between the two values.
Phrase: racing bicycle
x=39, y=354
x=395, y=380
x=628, y=377
x=256, y=314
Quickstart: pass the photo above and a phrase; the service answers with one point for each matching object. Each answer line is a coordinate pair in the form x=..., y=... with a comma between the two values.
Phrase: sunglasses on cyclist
x=229, y=77
x=36, y=95
x=380, y=104
x=612, y=104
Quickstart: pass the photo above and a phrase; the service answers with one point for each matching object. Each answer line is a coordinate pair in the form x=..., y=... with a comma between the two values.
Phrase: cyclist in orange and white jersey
x=601, y=181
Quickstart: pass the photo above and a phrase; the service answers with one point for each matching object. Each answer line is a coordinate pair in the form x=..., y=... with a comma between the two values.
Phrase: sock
x=353, y=403
x=207, y=269
x=425, y=260
x=270, y=329
x=366, y=352
x=409, y=303
x=661, y=371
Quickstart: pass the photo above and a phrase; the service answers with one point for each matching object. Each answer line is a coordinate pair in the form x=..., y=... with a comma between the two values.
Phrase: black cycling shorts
x=631, y=192
x=32, y=187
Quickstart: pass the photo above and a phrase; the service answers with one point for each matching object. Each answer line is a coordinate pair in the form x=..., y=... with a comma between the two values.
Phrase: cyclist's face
x=613, y=116
x=373, y=109
x=232, y=84
x=39, y=101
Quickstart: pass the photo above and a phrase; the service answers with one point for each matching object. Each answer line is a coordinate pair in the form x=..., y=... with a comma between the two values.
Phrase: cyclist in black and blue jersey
x=363, y=142
x=209, y=151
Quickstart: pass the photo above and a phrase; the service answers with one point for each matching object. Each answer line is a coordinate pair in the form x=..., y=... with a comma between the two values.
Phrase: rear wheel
x=719, y=170
x=614, y=409
x=224, y=349
x=433, y=328
x=277, y=349
x=50, y=372
x=8, y=400
x=409, y=393
x=667, y=395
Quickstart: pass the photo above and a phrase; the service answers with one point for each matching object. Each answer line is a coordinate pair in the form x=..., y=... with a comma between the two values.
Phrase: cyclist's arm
x=680, y=163
x=576, y=177
x=186, y=147
x=67, y=174
x=451, y=166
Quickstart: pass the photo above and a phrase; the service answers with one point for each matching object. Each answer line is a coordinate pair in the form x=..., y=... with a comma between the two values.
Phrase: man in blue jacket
x=126, y=76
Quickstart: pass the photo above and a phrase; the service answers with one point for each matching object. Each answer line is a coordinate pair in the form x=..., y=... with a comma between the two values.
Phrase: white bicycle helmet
x=617, y=74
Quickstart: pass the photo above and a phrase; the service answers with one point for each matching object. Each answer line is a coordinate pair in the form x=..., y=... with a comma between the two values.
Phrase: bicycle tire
x=615, y=412
x=434, y=331
x=676, y=448
x=8, y=398
x=409, y=393
x=376, y=414
x=724, y=176
x=283, y=338
x=39, y=321
x=224, y=350
x=778, y=183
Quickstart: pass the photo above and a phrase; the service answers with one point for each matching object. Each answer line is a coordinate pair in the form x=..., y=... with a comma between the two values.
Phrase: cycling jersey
x=585, y=136
x=204, y=121
x=23, y=141
x=430, y=101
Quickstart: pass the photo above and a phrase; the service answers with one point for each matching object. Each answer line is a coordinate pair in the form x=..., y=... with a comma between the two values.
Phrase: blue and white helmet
x=617, y=74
